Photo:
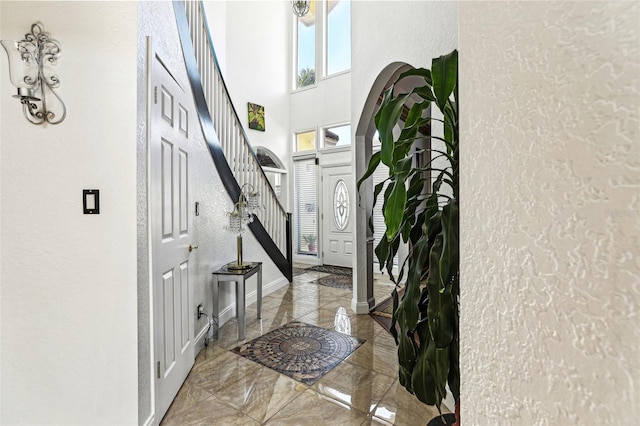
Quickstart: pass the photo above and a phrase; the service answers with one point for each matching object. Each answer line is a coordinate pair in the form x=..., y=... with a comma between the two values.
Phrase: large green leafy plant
x=420, y=207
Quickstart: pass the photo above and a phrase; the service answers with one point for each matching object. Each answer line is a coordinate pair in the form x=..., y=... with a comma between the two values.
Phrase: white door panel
x=170, y=227
x=337, y=227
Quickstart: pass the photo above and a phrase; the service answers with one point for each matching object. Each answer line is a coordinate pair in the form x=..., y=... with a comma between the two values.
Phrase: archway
x=363, y=299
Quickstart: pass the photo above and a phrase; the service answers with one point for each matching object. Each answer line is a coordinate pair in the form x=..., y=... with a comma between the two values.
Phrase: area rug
x=301, y=351
x=336, y=281
x=299, y=271
x=336, y=270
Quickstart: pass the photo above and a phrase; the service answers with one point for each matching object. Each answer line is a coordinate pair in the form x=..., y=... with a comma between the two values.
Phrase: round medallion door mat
x=336, y=270
x=336, y=281
x=301, y=351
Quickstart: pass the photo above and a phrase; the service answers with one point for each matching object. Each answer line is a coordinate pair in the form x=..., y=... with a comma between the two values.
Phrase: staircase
x=230, y=149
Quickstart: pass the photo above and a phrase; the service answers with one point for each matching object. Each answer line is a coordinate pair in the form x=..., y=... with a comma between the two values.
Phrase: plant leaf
x=421, y=72
x=376, y=192
x=385, y=120
x=449, y=260
x=444, y=71
x=373, y=165
x=394, y=208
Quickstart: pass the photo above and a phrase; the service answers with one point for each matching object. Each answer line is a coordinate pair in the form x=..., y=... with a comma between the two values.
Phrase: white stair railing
x=233, y=140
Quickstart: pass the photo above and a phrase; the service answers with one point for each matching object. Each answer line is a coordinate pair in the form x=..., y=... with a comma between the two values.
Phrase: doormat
x=336, y=270
x=336, y=281
x=298, y=271
x=301, y=351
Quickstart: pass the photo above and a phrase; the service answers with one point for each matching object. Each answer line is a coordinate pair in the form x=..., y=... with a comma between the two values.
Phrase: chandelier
x=300, y=7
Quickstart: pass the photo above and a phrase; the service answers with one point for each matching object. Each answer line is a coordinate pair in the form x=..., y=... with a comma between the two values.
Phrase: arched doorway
x=363, y=295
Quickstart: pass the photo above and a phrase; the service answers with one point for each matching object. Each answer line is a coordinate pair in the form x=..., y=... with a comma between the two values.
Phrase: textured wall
x=550, y=212
x=68, y=280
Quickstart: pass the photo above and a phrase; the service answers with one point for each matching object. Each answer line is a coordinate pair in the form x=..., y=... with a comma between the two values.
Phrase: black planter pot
x=448, y=418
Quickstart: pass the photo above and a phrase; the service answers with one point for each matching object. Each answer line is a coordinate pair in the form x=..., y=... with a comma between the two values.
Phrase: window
x=336, y=136
x=305, y=198
x=306, y=48
x=324, y=34
x=338, y=23
x=273, y=170
x=305, y=141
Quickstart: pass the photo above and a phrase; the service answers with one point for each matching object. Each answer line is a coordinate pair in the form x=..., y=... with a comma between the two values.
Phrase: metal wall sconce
x=30, y=63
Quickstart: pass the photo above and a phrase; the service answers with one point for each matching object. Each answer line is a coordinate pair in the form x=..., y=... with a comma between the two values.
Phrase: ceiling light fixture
x=300, y=7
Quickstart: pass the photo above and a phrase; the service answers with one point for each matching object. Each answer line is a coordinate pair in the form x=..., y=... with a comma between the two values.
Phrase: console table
x=239, y=277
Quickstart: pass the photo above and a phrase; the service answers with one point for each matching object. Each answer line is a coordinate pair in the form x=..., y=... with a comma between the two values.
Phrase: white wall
x=2, y=76
x=68, y=311
x=385, y=33
x=255, y=63
x=550, y=161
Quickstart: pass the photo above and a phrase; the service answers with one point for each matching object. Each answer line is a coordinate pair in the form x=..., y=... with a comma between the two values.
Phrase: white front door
x=337, y=227
x=171, y=232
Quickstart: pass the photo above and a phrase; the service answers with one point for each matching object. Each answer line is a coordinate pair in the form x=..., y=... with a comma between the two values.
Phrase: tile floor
x=224, y=388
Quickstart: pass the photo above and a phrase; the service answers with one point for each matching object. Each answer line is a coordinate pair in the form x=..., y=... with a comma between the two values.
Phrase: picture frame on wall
x=256, y=116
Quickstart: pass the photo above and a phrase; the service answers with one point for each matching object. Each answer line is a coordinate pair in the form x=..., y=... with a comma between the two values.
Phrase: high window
x=338, y=33
x=306, y=48
x=323, y=35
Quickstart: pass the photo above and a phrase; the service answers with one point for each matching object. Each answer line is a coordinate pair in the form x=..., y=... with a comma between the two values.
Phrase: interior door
x=337, y=226
x=171, y=229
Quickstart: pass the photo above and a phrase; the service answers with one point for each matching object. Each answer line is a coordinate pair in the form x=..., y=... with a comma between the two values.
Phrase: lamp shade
x=23, y=68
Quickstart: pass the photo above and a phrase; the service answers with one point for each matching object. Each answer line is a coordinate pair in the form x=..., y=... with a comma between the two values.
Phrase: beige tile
x=399, y=407
x=188, y=397
x=211, y=411
x=363, y=326
x=274, y=301
x=334, y=305
x=383, y=337
x=381, y=359
x=321, y=317
x=227, y=371
x=319, y=299
x=293, y=310
x=355, y=386
x=261, y=393
x=310, y=276
x=210, y=351
x=228, y=334
x=312, y=408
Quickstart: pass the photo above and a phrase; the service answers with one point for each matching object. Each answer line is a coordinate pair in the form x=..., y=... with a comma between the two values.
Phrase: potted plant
x=311, y=242
x=427, y=314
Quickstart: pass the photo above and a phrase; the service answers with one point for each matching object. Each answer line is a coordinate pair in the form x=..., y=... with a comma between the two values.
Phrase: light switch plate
x=91, y=201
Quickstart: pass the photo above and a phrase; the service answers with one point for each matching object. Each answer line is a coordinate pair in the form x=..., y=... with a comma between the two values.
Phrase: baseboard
x=201, y=333
x=230, y=311
x=150, y=420
x=360, y=308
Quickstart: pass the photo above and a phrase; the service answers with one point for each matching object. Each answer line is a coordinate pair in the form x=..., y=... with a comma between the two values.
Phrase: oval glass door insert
x=341, y=205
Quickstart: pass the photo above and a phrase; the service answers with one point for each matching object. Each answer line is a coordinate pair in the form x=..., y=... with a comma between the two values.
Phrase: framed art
x=256, y=116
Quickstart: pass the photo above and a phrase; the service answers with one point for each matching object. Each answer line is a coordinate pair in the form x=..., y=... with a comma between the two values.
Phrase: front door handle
x=192, y=248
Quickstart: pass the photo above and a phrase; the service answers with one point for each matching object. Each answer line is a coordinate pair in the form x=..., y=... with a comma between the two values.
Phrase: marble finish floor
x=224, y=388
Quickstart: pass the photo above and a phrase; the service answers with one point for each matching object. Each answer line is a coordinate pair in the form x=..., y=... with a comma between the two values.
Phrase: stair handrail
x=233, y=108
x=283, y=261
